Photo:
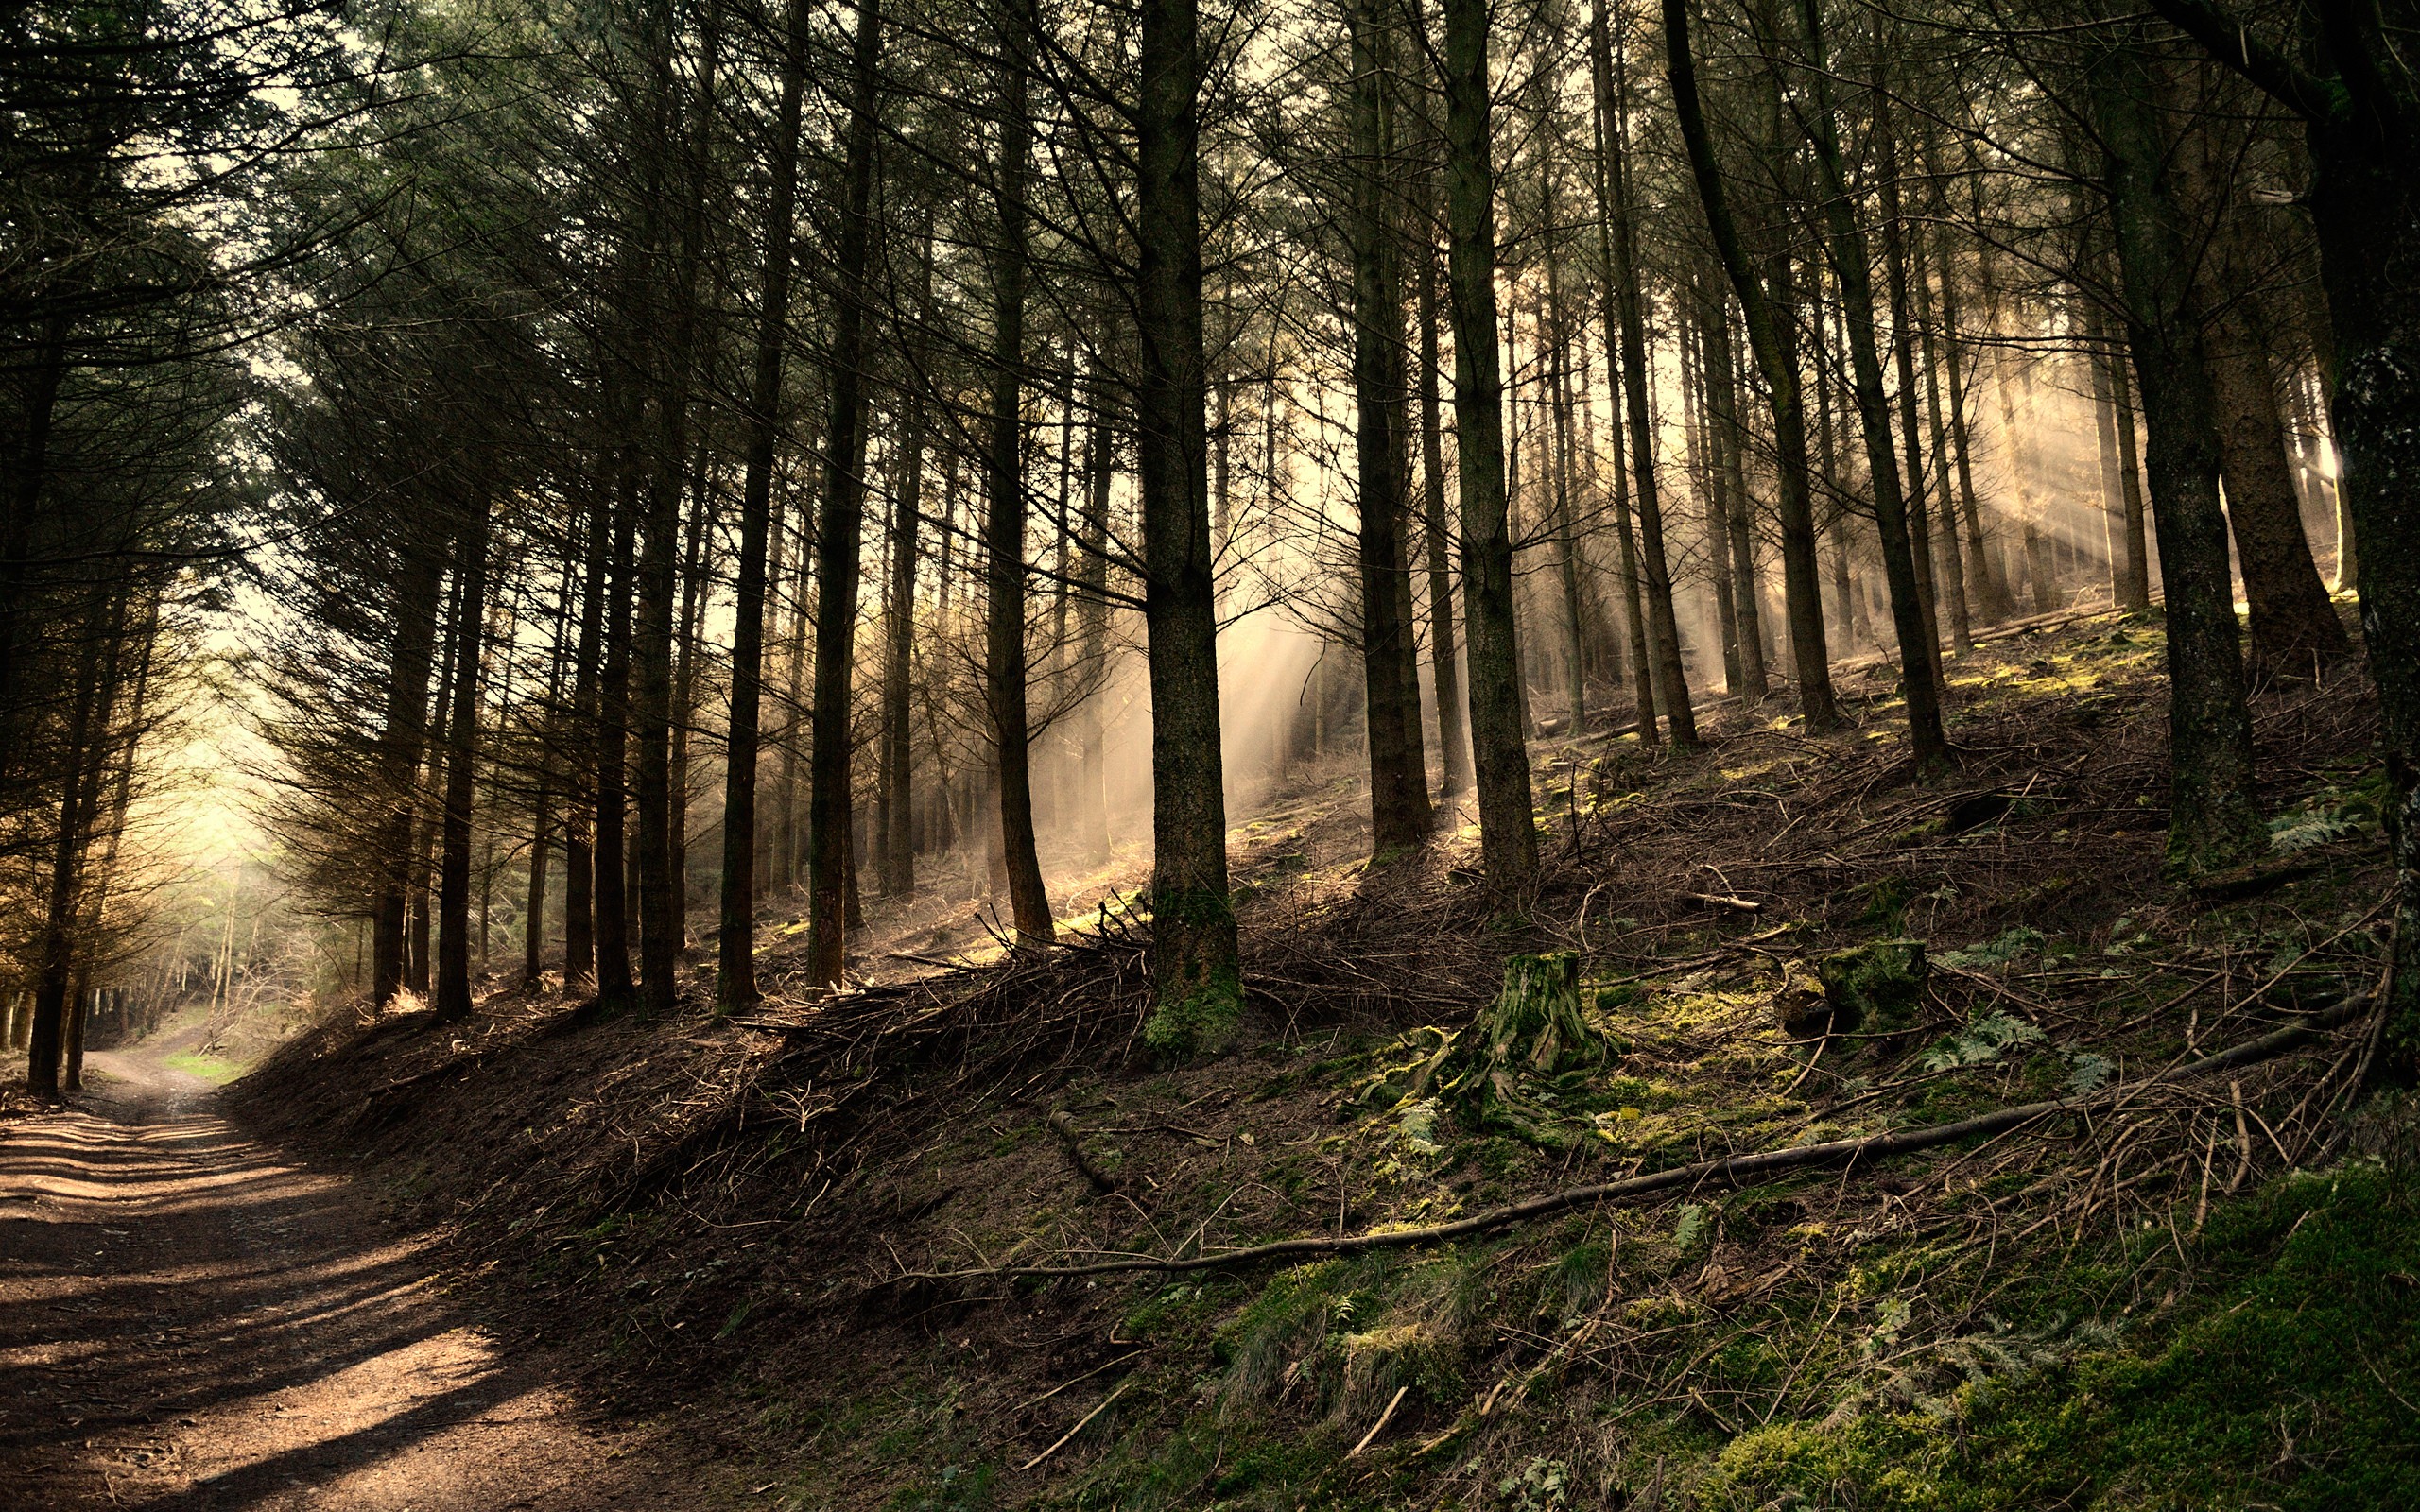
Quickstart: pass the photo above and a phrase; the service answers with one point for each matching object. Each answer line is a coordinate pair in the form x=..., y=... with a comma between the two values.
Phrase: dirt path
x=187, y=1323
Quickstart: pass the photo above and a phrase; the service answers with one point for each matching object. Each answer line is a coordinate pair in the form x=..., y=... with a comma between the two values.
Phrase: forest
x=964, y=754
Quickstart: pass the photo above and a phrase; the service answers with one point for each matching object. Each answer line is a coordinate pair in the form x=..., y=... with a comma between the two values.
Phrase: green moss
x=2284, y=1390
x=1881, y=983
x=1886, y=902
x=1198, y=1021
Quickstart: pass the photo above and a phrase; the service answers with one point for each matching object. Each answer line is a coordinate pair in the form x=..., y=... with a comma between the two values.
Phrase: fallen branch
x=1734, y=1171
x=1065, y=1126
x=1080, y=1425
x=1715, y=900
x=1385, y=1417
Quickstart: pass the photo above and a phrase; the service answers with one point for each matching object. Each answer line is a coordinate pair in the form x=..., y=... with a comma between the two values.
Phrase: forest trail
x=187, y=1322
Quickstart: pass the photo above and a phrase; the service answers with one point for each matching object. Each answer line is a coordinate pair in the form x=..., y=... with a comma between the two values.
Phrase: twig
x=1385, y=1417
x=1078, y=1381
x=1080, y=1425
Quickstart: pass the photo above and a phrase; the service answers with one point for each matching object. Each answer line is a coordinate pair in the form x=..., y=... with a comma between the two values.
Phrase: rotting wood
x=1731, y=1172
x=1065, y=1126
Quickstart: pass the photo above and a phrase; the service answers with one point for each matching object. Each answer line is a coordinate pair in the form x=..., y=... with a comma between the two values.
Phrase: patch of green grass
x=2281, y=1390
x=216, y=1070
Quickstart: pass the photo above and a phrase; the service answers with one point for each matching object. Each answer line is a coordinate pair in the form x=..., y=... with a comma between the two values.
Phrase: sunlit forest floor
x=2200, y=1292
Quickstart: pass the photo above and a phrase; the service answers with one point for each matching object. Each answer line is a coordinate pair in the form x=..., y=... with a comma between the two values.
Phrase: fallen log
x=1738, y=1170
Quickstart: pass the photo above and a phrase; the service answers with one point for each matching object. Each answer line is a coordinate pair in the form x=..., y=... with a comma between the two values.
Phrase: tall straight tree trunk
x=1091, y=818
x=1567, y=563
x=1772, y=339
x=735, y=951
x=703, y=525
x=1508, y=825
x=1004, y=518
x=1655, y=633
x=788, y=845
x=1626, y=543
x=663, y=912
x=71, y=933
x=2101, y=359
x=1902, y=352
x=1962, y=622
x=2214, y=816
x=542, y=807
x=55, y=954
x=428, y=813
x=1705, y=473
x=1988, y=592
x=579, y=832
x=453, y=985
x=2020, y=467
x=1453, y=741
x=840, y=534
x=401, y=741
x=1399, y=816
x=898, y=661
x=1919, y=658
x=1194, y=965
x=614, y=989
x=1723, y=382
x=2137, y=592
x=112, y=831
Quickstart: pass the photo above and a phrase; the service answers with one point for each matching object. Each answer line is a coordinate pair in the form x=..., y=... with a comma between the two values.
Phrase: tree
x=1508, y=833
x=1193, y=964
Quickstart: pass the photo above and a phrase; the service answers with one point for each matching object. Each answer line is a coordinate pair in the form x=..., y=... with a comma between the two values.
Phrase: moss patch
x=2290, y=1388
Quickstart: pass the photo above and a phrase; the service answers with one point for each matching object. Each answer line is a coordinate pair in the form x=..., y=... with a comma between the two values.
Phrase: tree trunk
x=2137, y=581
x=1772, y=339
x=2367, y=210
x=2295, y=628
x=1453, y=741
x=2213, y=817
x=579, y=864
x=1004, y=518
x=1091, y=818
x=452, y=983
x=401, y=741
x=88, y=724
x=1618, y=252
x=1903, y=350
x=1507, y=826
x=2100, y=358
x=1399, y=816
x=898, y=661
x=1962, y=624
x=663, y=914
x=735, y=951
x=1919, y=659
x=1723, y=380
x=611, y=892
x=1566, y=524
x=838, y=534
x=1193, y=964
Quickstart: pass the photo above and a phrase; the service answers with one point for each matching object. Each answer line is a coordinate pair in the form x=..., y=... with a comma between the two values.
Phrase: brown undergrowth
x=725, y=1207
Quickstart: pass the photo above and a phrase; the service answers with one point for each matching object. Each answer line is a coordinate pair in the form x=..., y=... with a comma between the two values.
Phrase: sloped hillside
x=835, y=1237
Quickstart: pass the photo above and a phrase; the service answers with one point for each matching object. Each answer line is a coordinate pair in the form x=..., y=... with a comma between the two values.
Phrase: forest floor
x=188, y=1321
x=776, y=1238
